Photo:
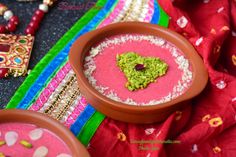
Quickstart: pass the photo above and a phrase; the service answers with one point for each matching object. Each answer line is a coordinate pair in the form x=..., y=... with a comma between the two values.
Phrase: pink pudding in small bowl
x=22, y=140
x=25, y=133
x=137, y=72
x=103, y=73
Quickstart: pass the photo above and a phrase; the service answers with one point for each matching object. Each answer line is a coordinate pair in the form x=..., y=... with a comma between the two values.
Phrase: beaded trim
x=128, y=15
x=62, y=109
x=52, y=98
x=71, y=109
x=52, y=86
x=124, y=11
x=66, y=100
x=59, y=95
x=181, y=61
x=81, y=104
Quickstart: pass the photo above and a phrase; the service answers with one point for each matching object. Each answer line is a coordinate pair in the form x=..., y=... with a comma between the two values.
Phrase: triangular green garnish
x=140, y=71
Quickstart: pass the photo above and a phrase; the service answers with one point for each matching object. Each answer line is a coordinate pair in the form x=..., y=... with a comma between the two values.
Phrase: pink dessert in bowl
x=21, y=139
x=31, y=134
x=101, y=69
x=137, y=72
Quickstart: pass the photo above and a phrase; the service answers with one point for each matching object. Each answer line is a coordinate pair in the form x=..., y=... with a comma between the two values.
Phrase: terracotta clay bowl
x=130, y=113
x=43, y=121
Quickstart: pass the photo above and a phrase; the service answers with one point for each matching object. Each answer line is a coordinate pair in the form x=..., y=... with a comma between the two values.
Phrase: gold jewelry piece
x=15, y=53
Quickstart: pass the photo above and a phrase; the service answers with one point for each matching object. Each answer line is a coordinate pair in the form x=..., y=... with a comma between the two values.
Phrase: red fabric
x=207, y=127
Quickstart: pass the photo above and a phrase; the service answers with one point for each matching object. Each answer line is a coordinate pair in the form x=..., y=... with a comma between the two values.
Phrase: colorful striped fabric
x=51, y=87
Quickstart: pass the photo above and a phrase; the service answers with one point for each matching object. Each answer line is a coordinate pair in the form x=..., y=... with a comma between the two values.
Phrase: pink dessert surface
x=48, y=139
x=108, y=74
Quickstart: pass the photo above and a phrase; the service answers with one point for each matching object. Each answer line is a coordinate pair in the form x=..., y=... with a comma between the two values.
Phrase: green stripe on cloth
x=52, y=53
x=90, y=128
x=164, y=18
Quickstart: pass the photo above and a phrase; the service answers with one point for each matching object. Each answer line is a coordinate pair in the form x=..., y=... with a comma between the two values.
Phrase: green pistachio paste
x=140, y=71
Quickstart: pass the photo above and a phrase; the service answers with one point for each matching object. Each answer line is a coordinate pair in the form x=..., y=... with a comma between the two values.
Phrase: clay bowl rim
x=45, y=122
x=85, y=42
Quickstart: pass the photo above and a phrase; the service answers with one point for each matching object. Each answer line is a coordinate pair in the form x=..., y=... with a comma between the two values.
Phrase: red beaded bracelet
x=38, y=16
x=13, y=21
x=35, y=21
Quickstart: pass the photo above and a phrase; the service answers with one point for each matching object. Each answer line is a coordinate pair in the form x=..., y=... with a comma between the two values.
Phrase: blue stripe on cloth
x=61, y=58
x=82, y=120
x=156, y=15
